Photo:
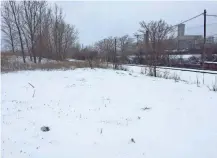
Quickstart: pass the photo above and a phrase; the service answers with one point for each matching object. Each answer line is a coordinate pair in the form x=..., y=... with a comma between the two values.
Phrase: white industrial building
x=190, y=41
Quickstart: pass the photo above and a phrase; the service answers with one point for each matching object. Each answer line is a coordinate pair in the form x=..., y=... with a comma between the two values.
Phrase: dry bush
x=7, y=65
x=166, y=74
x=150, y=71
x=176, y=77
x=214, y=86
x=8, y=53
x=143, y=70
x=198, y=82
x=120, y=67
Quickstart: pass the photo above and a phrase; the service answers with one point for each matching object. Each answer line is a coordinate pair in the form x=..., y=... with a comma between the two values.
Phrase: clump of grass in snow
x=166, y=74
x=214, y=86
x=120, y=67
x=143, y=70
x=198, y=82
x=176, y=77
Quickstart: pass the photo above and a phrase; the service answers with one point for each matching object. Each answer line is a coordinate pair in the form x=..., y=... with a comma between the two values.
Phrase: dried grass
x=8, y=65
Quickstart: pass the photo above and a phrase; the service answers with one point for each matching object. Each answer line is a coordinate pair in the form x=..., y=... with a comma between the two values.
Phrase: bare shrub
x=176, y=77
x=8, y=66
x=198, y=82
x=150, y=71
x=143, y=70
x=158, y=74
x=121, y=67
x=157, y=32
x=214, y=86
x=166, y=74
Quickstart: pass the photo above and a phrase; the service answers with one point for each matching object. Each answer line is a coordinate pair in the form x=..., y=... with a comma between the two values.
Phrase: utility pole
x=137, y=37
x=137, y=47
x=204, y=40
x=115, y=48
x=147, y=41
x=115, y=58
x=155, y=57
x=146, y=37
x=106, y=51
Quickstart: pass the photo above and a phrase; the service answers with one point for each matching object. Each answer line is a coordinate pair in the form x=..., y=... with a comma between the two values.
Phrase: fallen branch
x=31, y=85
x=146, y=108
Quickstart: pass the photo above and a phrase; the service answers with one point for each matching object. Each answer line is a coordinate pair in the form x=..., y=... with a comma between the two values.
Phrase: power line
x=200, y=26
x=212, y=15
x=189, y=19
x=183, y=22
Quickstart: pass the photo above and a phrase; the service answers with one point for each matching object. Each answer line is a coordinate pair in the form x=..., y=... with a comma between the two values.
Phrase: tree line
x=148, y=45
x=36, y=30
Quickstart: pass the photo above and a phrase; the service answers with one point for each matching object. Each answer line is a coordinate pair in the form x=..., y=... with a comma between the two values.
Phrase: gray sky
x=97, y=20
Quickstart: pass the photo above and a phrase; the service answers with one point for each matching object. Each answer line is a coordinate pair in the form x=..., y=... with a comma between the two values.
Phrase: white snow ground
x=96, y=113
x=204, y=79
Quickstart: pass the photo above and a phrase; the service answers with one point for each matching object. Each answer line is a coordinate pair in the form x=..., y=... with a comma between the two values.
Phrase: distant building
x=190, y=41
x=210, y=40
x=181, y=29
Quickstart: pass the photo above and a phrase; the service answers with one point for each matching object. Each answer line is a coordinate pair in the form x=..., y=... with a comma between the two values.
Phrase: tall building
x=181, y=29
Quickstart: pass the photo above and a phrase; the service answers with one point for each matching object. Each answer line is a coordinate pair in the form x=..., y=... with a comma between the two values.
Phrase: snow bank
x=204, y=79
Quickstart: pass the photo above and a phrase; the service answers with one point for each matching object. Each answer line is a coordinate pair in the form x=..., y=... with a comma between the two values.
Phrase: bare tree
x=8, y=27
x=39, y=31
x=108, y=48
x=69, y=39
x=16, y=14
x=45, y=35
x=90, y=55
x=64, y=35
x=101, y=48
x=125, y=44
x=158, y=31
x=33, y=20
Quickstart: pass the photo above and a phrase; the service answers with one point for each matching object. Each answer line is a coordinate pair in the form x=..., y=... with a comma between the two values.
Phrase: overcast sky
x=97, y=20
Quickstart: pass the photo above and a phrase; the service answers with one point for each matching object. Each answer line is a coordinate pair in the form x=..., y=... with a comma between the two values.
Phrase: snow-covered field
x=105, y=114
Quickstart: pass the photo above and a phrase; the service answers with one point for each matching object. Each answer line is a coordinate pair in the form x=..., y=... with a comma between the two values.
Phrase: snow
x=75, y=60
x=201, y=76
x=210, y=62
x=95, y=114
x=186, y=56
x=186, y=69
